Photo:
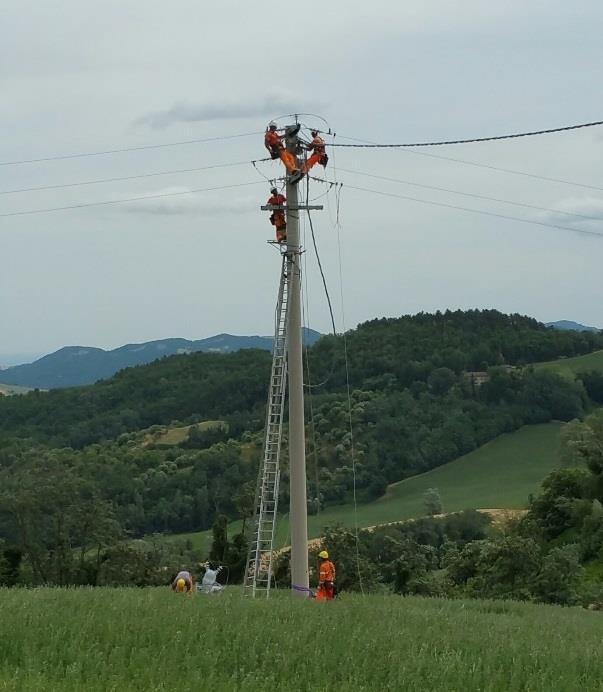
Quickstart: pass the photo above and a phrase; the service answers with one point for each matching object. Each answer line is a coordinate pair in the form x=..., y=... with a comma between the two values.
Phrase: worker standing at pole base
x=277, y=218
x=319, y=155
x=273, y=142
x=326, y=578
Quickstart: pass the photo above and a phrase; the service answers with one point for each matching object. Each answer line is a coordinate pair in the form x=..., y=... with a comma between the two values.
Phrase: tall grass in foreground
x=127, y=639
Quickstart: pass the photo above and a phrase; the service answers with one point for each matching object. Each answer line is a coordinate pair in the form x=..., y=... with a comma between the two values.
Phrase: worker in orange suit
x=273, y=142
x=319, y=155
x=326, y=578
x=277, y=218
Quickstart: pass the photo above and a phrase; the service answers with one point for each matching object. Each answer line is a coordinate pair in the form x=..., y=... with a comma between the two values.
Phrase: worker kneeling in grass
x=326, y=578
x=183, y=582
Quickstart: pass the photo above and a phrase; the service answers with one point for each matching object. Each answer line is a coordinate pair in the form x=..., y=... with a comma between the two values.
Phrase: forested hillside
x=422, y=353
x=416, y=404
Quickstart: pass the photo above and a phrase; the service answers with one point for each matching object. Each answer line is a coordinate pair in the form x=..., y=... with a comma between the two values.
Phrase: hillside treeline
x=414, y=406
x=553, y=555
x=400, y=351
x=387, y=354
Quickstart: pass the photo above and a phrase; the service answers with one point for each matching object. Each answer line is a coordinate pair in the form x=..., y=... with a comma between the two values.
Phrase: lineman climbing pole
x=287, y=355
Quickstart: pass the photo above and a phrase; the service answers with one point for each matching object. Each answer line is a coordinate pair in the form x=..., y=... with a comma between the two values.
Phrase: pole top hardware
x=293, y=207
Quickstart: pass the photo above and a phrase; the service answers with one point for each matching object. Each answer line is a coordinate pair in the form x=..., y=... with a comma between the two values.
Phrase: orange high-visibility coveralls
x=277, y=218
x=319, y=156
x=272, y=142
x=326, y=578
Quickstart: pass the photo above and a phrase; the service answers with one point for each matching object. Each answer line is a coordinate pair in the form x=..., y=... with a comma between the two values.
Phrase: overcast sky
x=78, y=77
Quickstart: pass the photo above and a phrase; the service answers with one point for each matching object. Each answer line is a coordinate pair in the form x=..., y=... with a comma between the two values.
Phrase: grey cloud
x=183, y=204
x=270, y=105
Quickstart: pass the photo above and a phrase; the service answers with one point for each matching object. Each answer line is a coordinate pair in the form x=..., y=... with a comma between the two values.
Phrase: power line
x=130, y=199
x=515, y=135
x=493, y=168
x=126, y=149
x=474, y=211
x=509, y=170
x=129, y=177
x=322, y=274
x=474, y=195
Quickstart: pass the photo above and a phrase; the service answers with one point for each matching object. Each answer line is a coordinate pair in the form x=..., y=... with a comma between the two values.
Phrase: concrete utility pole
x=297, y=442
x=288, y=335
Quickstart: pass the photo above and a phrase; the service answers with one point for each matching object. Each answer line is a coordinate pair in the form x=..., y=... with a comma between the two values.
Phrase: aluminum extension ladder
x=258, y=573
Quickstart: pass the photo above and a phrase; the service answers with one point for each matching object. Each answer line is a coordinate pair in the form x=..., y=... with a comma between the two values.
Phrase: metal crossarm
x=292, y=207
x=258, y=574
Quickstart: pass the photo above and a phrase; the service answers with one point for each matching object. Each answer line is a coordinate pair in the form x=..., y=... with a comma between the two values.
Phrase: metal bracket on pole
x=295, y=207
x=287, y=249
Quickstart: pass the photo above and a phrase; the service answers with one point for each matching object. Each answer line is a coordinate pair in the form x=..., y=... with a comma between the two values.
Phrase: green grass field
x=11, y=389
x=126, y=640
x=501, y=474
x=175, y=435
x=568, y=367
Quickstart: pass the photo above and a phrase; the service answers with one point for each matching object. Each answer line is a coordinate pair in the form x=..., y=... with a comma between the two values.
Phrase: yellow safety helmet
x=180, y=585
x=323, y=554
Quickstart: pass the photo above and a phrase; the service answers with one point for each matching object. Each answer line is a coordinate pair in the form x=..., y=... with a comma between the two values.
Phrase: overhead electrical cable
x=307, y=326
x=491, y=167
x=473, y=211
x=472, y=140
x=322, y=274
x=129, y=199
x=309, y=385
x=474, y=195
x=128, y=177
x=61, y=157
x=511, y=171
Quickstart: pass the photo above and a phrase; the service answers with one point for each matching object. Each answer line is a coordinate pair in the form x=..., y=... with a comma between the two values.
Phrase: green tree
x=559, y=576
x=408, y=571
x=582, y=443
x=432, y=501
x=593, y=383
x=52, y=511
x=245, y=502
x=219, y=546
x=506, y=568
x=441, y=380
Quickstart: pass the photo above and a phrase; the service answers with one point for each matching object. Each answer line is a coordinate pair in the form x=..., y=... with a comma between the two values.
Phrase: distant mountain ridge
x=8, y=360
x=569, y=324
x=74, y=366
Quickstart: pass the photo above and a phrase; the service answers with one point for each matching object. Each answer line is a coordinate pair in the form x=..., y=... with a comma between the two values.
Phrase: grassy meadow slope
x=501, y=474
x=569, y=367
x=10, y=389
x=68, y=640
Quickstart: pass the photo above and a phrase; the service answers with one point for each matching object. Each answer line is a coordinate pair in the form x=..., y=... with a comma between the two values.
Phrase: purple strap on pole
x=302, y=588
